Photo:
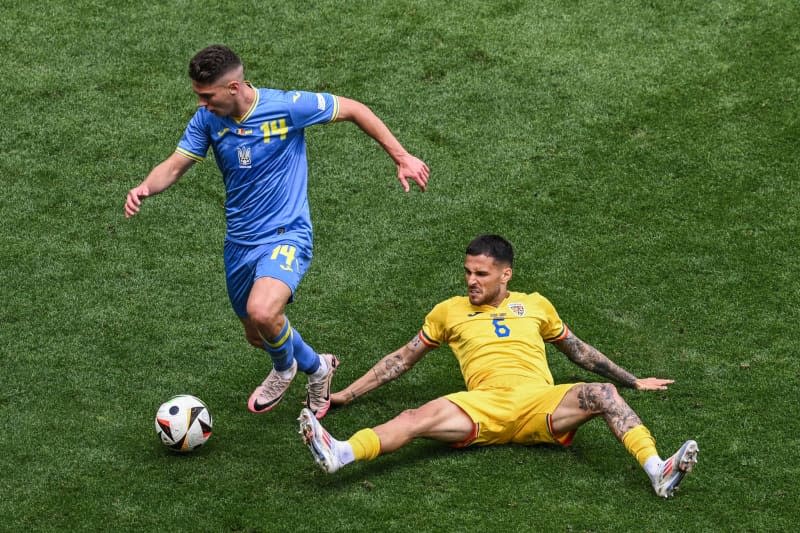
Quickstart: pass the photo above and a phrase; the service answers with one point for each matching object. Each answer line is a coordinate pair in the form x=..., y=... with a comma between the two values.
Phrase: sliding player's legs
x=439, y=419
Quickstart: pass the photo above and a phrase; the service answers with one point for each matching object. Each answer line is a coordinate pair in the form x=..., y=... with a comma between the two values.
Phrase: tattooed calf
x=603, y=399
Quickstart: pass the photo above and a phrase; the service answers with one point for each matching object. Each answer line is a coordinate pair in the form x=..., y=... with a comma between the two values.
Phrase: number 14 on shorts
x=287, y=252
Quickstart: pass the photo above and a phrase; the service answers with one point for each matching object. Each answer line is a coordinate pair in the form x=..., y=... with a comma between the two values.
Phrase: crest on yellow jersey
x=517, y=308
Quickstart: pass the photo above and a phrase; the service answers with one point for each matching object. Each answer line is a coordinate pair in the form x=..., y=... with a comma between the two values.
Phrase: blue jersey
x=262, y=157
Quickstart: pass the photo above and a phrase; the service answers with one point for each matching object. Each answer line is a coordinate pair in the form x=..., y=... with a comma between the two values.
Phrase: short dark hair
x=211, y=63
x=493, y=246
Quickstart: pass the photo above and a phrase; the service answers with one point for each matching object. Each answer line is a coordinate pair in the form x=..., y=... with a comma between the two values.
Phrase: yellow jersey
x=495, y=345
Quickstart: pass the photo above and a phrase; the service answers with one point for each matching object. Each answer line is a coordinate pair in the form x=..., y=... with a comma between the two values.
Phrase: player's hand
x=410, y=167
x=652, y=384
x=134, y=199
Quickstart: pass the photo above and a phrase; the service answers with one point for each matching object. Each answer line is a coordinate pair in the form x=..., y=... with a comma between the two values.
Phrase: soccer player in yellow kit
x=498, y=338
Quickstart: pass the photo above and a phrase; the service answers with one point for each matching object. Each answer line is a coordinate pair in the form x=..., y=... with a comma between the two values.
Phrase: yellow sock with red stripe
x=366, y=445
x=640, y=444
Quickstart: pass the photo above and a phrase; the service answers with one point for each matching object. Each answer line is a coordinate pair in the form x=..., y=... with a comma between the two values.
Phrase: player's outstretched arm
x=163, y=176
x=408, y=166
x=390, y=367
x=587, y=356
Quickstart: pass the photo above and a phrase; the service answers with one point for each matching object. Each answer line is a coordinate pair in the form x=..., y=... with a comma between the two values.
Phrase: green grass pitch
x=642, y=156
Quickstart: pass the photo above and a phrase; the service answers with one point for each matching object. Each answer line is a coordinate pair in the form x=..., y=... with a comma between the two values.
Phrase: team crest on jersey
x=245, y=160
x=517, y=308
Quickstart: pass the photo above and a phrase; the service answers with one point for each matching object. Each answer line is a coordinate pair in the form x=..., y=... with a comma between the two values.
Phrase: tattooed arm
x=390, y=367
x=587, y=356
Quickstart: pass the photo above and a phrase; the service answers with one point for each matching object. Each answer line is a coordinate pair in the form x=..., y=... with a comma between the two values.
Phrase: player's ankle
x=344, y=452
x=652, y=466
x=320, y=372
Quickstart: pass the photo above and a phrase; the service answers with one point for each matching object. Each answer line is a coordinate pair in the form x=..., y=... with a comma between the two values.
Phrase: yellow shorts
x=519, y=413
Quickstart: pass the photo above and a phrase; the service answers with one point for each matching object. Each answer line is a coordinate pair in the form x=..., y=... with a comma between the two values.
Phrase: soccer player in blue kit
x=258, y=142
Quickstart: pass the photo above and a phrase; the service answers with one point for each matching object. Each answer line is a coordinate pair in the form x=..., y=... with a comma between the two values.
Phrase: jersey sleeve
x=307, y=108
x=551, y=329
x=195, y=140
x=434, y=332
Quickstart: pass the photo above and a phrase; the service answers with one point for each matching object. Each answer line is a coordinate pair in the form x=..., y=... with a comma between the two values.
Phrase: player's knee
x=412, y=420
x=598, y=397
x=408, y=416
x=421, y=420
x=609, y=390
x=610, y=396
x=268, y=320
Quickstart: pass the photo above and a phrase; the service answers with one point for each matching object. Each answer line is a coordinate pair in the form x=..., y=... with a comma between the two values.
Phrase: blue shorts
x=283, y=258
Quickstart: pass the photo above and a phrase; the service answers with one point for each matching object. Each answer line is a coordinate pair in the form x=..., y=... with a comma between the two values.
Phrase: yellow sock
x=366, y=445
x=640, y=444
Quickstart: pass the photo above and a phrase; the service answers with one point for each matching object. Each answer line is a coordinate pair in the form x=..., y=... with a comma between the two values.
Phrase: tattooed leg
x=587, y=400
x=603, y=399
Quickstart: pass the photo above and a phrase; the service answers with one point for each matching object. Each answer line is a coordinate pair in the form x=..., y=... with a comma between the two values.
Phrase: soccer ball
x=183, y=423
